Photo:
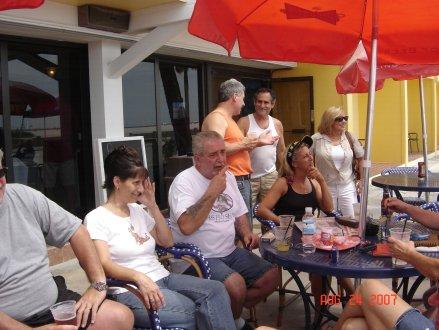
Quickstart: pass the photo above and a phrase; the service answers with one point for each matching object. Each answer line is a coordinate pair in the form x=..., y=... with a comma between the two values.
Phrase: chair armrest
x=189, y=253
x=401, y=216
x=335, y=214
x=434, y=206
x=268, y=223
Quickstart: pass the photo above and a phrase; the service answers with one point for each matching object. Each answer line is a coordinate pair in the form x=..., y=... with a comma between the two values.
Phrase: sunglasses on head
x=341, y=118
x=3, y=171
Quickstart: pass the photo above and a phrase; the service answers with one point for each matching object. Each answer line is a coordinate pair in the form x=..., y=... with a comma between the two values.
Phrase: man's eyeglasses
x=341, y=118
x=3, y=171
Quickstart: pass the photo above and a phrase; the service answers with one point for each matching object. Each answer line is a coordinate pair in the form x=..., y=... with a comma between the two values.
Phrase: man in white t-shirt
x=206, y=210
x=263, y=159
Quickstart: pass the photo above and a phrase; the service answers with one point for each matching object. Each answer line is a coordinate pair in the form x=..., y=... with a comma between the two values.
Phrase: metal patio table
x=408, y=182
x=351, y=264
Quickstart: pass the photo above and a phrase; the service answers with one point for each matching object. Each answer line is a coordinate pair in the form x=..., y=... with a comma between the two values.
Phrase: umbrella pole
x=424, y=130
x=369, y=125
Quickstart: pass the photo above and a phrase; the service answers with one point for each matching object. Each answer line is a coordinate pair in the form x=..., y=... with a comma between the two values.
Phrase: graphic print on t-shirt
x=139, y=239
x=222, y=204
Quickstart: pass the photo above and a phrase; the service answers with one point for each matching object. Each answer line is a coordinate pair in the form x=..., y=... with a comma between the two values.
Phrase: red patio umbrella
x=354, y=78
x=325, y=32
x=320, y=31
x=355, y=73
x=18, y=4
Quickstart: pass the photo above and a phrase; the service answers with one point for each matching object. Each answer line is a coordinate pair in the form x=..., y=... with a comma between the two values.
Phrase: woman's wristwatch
x=99, y=286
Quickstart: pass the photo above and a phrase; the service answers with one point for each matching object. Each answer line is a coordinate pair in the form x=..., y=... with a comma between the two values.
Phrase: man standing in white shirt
x=263, y=159
x=206, y=209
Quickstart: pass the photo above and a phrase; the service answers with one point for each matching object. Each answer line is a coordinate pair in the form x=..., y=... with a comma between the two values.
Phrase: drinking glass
x=64, y=312
x=308, y=248
x=285, y=220
x=282, y=238
x=403, y=235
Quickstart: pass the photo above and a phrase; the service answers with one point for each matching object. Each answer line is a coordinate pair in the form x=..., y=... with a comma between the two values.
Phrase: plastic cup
x=338, y=237
x=282, y=238
x=308, y=248
x=64, y=312
x=402, y=235
x=284, y=220
x=326, y=236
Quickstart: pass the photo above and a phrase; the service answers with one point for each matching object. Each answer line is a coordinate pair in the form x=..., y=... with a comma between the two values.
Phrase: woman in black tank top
x=300, y=185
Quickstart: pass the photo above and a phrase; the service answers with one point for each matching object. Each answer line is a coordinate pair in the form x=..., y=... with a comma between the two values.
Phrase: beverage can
x=335, y=254
x=384, y=210
x=421, y=169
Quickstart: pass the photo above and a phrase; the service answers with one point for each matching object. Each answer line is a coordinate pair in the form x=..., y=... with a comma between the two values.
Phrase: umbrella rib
x=363, y=20
x=251, y=12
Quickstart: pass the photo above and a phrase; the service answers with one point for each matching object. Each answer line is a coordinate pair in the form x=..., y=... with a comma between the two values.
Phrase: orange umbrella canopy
x=321, y=31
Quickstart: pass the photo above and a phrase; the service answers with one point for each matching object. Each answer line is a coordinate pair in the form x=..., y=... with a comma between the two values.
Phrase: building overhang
x=158, y=29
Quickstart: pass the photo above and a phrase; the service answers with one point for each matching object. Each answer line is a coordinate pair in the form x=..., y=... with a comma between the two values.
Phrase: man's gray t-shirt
x=29, y=220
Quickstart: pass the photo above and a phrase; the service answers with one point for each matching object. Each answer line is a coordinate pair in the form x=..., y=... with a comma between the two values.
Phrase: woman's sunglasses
x=341, y=118
x=3, y=171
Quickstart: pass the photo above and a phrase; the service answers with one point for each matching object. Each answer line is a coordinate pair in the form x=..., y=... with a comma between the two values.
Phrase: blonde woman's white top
x=322, y=151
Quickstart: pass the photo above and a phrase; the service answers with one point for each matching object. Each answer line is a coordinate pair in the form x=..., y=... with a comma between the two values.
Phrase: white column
x=106, y=101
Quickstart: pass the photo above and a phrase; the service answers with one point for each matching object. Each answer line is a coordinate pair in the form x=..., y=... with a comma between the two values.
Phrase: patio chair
x=409, y=200
x=183, y=251
x=433, y=207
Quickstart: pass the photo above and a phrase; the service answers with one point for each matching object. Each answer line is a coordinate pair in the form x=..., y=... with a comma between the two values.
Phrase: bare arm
x=195, y=215
x=243, y=124
x=323, y=195
x=150, y=291
x=216, y=122
x=241, y=226
x=280, y=150
x=426, y=218
x=84, y=250
x=8, y=323
x=429, y=267
x=250, y=240
x=266, y=206
x=161, y=232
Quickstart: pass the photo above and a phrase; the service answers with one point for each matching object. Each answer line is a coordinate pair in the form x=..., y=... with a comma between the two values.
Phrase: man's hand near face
x=218, y=183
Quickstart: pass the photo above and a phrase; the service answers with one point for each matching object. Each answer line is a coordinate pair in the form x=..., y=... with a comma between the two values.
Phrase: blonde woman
x=334, y=150
x=299, y=185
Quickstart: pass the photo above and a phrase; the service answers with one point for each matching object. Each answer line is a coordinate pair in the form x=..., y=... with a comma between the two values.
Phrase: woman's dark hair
x=125, y=163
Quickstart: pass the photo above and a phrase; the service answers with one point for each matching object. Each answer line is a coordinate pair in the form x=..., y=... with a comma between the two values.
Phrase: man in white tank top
x=263, y=159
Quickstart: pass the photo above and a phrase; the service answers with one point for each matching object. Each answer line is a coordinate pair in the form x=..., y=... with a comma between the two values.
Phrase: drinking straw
x=405, y=223
x=288, y=227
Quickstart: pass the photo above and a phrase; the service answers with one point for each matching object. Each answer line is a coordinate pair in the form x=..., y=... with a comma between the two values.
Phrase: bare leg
x=262, y=287
x=236, y=288
x=356, y=323
x=113, y=316
x=377, y=316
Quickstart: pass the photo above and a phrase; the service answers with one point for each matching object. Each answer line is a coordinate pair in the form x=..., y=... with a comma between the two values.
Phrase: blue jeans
x=245, y=189
x=190, y=303
x=412, y=319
